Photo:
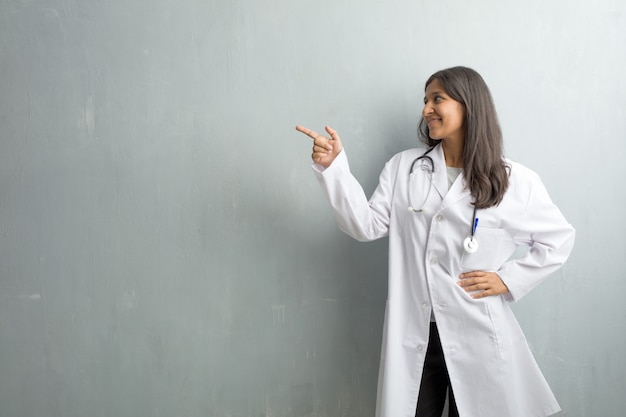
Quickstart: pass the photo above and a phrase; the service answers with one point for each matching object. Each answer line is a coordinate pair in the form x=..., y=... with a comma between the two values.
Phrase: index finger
x=471, y=274
x=310, y=133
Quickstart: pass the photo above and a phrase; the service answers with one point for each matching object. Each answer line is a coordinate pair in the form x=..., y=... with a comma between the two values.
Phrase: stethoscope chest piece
x=470, y=244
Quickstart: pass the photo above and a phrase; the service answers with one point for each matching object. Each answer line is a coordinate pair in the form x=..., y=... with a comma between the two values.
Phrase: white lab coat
x=491, y=368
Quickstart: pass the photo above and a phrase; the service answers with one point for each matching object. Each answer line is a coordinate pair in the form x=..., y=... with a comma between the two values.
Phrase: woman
x=454, y=216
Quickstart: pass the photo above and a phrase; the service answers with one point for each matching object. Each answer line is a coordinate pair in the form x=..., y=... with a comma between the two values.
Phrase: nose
x=428, y=109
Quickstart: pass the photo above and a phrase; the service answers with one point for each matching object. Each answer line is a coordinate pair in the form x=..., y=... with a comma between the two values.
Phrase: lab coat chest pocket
x=493, y=246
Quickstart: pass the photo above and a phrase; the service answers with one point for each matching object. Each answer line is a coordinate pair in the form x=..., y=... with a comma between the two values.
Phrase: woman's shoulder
x=402, y=161
x=408, y=155
x=520, y=175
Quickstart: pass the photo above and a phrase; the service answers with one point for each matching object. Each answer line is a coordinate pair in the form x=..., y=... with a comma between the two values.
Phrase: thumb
x=336, y=141
x=333, y=133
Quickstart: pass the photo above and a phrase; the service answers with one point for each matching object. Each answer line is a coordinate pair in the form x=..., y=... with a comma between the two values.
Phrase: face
x=444, y=115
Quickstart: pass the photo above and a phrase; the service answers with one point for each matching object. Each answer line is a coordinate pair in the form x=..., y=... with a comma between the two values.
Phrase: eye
x=438, y=99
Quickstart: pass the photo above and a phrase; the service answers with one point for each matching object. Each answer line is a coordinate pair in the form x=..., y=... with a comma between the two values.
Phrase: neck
x=453, y=153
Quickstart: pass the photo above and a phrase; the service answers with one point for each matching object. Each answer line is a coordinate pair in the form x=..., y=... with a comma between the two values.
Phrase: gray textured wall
x=165, y=250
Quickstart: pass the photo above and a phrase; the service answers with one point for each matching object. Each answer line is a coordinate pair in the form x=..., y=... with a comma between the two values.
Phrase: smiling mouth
x=432, y=121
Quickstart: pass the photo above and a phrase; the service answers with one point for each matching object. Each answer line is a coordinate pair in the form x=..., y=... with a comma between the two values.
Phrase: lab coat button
x=433, y=261
x=439, y=217
x=425, y=305
x=420, y=348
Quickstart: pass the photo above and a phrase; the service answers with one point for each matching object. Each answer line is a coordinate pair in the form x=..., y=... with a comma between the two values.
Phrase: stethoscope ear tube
x=424, y=157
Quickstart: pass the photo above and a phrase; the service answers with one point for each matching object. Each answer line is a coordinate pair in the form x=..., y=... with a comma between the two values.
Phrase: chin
x=434, y=136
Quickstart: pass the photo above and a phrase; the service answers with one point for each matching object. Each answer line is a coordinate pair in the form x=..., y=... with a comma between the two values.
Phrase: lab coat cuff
x=518, y=283
x=511, y=295
x=340, y=162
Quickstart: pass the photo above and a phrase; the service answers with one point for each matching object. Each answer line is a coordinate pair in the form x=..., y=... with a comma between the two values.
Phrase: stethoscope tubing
x=424, y=157
x=470, y=244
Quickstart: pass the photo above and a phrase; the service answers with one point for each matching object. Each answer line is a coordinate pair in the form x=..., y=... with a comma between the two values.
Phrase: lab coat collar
x=459, y=189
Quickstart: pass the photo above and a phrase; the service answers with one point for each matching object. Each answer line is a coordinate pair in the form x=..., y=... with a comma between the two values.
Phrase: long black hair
x=484, y=167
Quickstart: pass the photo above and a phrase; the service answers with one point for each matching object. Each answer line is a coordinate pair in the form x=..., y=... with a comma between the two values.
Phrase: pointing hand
x=325, y=149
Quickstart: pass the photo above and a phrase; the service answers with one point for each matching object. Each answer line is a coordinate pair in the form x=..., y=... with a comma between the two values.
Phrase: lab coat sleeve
x=362, y=219
x=550, y=237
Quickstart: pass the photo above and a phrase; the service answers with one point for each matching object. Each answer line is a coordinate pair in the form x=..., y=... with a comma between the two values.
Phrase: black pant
x=435, y=381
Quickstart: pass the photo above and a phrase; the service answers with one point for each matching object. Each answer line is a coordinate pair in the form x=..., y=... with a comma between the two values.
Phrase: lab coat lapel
x=459, y=189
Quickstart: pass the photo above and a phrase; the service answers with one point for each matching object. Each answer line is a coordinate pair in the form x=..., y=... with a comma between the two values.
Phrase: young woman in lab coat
x=454, y=218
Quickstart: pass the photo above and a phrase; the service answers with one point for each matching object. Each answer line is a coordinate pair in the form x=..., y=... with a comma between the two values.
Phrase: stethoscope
x=470, y=244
